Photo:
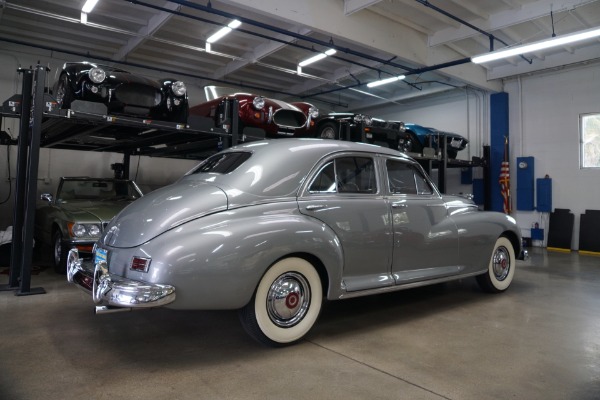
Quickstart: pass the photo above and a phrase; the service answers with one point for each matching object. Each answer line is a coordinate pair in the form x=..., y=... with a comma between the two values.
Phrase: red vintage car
x=259, y=116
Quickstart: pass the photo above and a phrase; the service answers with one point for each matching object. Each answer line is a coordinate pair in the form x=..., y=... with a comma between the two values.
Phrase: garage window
x=590, y=140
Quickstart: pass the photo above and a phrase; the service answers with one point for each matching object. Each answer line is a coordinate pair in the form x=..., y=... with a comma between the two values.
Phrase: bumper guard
x=109, y=290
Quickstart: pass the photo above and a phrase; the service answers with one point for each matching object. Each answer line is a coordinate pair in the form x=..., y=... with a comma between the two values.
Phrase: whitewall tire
x=286, y=304
x=501, y=269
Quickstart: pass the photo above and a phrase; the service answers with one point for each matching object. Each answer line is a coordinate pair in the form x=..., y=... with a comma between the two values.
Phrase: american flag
x=504, y=179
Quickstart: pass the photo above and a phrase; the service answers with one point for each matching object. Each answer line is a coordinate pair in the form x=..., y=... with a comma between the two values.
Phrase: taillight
x=140, y=264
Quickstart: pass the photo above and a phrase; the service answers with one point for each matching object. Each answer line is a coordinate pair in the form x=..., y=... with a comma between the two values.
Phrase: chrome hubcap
x=501, y=263
x=288, y=299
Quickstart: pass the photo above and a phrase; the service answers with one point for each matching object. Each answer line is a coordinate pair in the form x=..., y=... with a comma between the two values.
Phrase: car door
x=425, y=237
x=345, y=194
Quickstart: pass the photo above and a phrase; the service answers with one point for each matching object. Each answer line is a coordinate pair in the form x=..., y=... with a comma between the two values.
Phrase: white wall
x=544, y=123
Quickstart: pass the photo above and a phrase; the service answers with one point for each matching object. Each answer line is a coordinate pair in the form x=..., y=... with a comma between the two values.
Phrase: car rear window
x=222, y=163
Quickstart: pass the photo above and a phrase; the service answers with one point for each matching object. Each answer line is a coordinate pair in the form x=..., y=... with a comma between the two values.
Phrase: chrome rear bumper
x=115, y=291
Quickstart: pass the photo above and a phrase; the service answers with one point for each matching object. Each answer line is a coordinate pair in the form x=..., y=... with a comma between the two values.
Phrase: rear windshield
x=222, y=163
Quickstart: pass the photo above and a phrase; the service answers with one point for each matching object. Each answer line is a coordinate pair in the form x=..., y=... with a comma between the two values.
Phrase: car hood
x=86, y=211
x=162, y=210
x=125, y=77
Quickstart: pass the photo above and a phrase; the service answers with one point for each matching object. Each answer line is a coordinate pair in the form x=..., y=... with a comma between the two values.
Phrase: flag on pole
x=505, y=179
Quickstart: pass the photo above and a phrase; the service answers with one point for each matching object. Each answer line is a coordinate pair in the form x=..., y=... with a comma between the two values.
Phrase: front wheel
x=329, y=130
x=501, y=269
x=59, y=255
x=64, y=96
x=286, y=304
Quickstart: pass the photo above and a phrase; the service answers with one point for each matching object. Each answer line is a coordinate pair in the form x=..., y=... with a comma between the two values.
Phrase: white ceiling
x=374, y=38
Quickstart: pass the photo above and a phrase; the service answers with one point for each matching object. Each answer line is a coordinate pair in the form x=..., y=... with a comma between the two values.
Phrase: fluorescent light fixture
x=541, y=45
x=385, y=81
x=89, y=6
x=84, y=18
x=223, y=31
x=316, y=58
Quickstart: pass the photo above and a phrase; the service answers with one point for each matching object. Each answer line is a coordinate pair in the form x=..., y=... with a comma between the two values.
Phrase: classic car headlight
x=313, y=112
x=94, y=230
x=363, y=118
x=258, y=103
x=402, y=127
x=97, y=75
x=78, y=230
x=178, y=88
x=81, y=230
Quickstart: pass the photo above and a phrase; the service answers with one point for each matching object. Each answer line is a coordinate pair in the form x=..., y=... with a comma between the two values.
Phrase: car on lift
x=259, y=117
x=358, y=128
x=77, y=214
x=417, y=137
x=274, y=227
x=109, y=90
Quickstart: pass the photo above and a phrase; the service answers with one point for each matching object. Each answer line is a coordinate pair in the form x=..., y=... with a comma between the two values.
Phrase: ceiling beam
x=263, y=50
x=504, y=19
x=352, y=6
x=146, y=32
x=581, y=55
x=371, y=31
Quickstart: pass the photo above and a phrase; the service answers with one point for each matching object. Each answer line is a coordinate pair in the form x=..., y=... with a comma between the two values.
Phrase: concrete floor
x=539, y=340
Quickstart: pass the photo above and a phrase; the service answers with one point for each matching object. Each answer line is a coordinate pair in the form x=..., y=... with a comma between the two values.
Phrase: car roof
x=278, y=167
x=318, y=147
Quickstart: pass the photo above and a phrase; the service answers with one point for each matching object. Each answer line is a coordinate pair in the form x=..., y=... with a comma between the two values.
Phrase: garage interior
x=540, y=339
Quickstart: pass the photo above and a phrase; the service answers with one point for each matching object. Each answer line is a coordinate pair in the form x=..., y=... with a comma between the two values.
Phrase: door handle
x=399, y=205
x=314, y=207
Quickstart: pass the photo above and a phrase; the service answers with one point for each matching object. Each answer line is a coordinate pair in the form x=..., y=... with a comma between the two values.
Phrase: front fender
x=216, y=262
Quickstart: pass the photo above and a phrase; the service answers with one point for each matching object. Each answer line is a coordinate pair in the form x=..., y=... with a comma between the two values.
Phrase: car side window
x=405, y=178
x=346, y=175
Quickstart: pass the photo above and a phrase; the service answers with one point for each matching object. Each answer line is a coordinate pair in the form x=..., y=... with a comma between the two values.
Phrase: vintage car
x=78, y=213
x=258, y=116
x=416, y=137
x=358, y=128
x=120, y=92
x=275, y=227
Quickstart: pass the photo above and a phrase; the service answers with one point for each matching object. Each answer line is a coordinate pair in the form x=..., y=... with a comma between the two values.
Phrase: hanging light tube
x=89, y=6
x=316, y=58
x=386, y=81
x=536, y=46
x=223, y=31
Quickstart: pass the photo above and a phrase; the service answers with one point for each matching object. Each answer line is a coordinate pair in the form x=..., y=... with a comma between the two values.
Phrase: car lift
x=43, y=125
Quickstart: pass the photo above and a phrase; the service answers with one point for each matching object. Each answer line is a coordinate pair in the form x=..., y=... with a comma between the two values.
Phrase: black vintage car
x=121, y=92
x=358, y=128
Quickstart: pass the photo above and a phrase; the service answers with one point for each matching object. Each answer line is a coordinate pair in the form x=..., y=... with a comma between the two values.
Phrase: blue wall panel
x=498, y=131
x=544, y=194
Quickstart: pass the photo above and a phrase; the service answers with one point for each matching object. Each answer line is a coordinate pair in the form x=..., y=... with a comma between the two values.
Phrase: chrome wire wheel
x=288, y=299
x=329, y=130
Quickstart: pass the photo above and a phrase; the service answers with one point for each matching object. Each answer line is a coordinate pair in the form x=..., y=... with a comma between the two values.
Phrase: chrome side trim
x=387, y=289
x=115, y=291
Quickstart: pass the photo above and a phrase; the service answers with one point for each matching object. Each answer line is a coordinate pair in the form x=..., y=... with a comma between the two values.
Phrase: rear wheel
x=59, y=255
x=286, y=304
x=501, y=269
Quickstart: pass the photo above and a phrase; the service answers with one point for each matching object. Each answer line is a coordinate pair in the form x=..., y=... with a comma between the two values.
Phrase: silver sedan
x=273, y=228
